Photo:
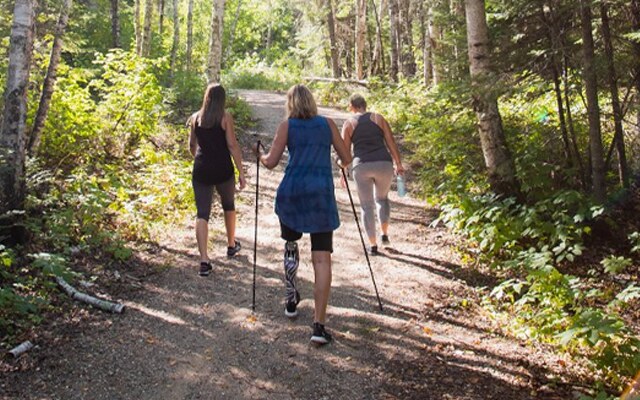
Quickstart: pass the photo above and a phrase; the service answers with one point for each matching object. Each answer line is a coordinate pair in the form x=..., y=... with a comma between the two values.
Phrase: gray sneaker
x=232, y=251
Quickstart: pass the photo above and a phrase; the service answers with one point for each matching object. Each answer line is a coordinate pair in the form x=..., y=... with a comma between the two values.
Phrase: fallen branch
x=97, y=303
x=21, y=349
x=340, y=80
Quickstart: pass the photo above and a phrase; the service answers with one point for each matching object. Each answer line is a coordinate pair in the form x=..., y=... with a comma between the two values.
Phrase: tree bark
x=115, y=24
x=405, y=41
x=232, y=32
x=50, y=78
x=593, y=110
x=161, y=17
x=635, y=24
x=618, y=137
x=12, y=135
x=377, y=63
x=137, y=27
x=434, y=46
x=394, y=38
x=215, y=43
x=570, y=125
x=176, y=38
x=361, y=36
x=331, y=25
x=425, y=43
x=189, y=52
x=146, y=34
x=498, y=160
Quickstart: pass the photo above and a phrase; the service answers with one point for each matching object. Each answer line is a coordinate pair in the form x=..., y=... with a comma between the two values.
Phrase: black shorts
x=321, y=241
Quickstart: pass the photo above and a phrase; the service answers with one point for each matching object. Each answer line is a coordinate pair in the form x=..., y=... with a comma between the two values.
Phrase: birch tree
x=189, y=52
x=176, y=37
x=50, y=78
x=215, y=42
x=137, y=27
x=497, y=157
x=12, y=135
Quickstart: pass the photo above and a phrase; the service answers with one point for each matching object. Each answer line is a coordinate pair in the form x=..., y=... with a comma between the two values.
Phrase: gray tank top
x=368, y=142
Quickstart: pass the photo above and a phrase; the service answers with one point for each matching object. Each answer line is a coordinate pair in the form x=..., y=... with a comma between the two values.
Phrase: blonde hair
x=300, y=103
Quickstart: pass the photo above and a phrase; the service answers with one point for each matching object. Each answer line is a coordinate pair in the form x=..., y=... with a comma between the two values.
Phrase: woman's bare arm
x=390, y=141
x=193, y=140
x=339, y=145
x=272, y=158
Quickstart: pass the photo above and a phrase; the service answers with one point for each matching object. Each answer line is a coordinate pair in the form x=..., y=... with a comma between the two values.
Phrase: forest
x=519, y=122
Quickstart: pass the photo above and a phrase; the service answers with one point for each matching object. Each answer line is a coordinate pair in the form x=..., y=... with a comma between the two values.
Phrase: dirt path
x=187, y=337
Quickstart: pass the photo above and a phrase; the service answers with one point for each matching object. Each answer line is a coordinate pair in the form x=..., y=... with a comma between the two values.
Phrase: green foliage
x=634, y=238
x=614, y=265
x=101, y=114
x=254, y=73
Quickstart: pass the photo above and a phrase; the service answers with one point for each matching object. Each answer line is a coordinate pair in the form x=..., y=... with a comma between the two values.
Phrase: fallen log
x=104, y=305
x=21, y=349
x=336, y=80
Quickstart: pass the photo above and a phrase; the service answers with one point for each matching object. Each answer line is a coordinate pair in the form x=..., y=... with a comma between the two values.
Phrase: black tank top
x=368, y=142
x=212, y=164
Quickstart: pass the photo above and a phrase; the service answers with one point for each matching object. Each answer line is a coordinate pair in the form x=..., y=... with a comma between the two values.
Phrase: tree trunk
x=50, y=78
x=189, y=54
x=394, y=38
x=137, y=27
x=146, y=34
x=551, y=32
x=361, y=36
x=115, y=24
x=635, y=24
x=12, y=135
x=593, y=110
x=176, y=38
x=498, y=160
x=161, y=18
x=570, y=125
x=405, y=25
x=425, y=43
x=618, y=137
x=215, y=43
x=232, y=32
x=331, y=25
x=377, y=63
x=434, y=47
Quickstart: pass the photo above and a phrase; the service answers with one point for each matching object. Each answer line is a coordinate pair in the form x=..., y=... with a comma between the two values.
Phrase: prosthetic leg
x=291, y=262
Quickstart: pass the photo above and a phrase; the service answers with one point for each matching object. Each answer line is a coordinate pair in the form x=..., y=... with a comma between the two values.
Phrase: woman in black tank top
x=212, y=142
x=374, y=154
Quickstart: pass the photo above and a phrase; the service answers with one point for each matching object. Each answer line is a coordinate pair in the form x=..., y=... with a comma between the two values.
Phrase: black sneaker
x=205, y=268
x=232, y=251
x=385, y=239
x=373, y=250
x=320, y=335
x=291, y=307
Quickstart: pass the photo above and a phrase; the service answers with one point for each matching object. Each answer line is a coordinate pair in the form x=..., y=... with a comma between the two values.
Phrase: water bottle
x=402, y=191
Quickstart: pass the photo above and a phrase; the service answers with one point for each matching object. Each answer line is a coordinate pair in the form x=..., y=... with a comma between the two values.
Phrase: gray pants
x=373, y=180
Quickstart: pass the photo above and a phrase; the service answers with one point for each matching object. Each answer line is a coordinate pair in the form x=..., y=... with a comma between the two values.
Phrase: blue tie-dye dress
x=305, y=200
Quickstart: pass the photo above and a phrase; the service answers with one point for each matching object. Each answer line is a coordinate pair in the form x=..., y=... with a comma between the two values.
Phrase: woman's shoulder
x=193, y=119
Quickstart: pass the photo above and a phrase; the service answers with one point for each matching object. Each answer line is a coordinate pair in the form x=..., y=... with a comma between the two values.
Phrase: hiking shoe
x=385, y=239
x=373, y=250
x=205, y=268
x=291, y=307
x=232, y=251
x=320, y=335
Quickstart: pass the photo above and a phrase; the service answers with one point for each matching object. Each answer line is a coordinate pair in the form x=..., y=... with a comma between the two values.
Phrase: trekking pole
x=255, y=237
x=364, y=247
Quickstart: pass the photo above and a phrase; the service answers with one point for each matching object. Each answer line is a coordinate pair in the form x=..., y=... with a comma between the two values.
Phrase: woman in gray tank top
x=375, y=160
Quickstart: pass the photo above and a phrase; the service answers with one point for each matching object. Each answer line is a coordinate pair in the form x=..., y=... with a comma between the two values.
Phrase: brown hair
x=300, y=103
x=358, y=102
x=212, y=109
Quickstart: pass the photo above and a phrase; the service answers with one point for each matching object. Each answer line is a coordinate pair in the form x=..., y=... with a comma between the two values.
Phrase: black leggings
x=204, y=196
x=321, y=241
